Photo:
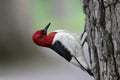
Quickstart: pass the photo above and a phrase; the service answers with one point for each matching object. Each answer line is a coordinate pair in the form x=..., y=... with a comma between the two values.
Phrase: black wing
x=61, y=50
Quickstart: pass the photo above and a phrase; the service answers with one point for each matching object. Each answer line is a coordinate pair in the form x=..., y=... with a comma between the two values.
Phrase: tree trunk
x=103, y=37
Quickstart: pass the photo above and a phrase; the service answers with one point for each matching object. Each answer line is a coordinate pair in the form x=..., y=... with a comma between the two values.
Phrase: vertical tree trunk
x=103, y=37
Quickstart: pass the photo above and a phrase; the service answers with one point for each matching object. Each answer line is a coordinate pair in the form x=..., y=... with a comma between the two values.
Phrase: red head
x=40, y=37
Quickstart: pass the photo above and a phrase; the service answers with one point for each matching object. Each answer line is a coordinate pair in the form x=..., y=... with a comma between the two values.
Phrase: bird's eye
x=40, y=36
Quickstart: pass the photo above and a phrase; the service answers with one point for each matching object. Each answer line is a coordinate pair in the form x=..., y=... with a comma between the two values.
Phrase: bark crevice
x=103, y=31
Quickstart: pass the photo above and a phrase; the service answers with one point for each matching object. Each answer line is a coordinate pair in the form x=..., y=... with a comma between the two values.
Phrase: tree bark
x=103, y=37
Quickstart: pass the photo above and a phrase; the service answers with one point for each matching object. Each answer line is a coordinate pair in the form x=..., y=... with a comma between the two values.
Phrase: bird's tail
x=89, y=71
x=83, y=68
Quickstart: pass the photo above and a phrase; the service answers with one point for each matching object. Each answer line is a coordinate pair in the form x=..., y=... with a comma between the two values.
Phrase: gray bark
x=103, y=37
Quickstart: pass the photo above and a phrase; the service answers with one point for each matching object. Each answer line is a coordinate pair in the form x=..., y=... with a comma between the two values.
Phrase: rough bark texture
x=103, y=37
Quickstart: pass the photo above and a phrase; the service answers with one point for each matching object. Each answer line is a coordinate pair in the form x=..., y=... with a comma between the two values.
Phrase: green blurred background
x=20, y=58
x=63, y=14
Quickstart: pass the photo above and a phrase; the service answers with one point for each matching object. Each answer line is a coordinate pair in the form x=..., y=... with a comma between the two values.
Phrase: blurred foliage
x=63, y=14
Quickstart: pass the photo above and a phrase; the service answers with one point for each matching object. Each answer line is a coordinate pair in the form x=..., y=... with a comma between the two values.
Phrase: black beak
x=46, y=28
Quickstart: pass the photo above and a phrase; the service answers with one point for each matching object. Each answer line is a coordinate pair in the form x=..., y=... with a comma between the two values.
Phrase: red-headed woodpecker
x=65, y=43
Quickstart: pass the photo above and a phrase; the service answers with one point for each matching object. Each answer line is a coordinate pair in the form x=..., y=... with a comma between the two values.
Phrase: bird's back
x=69, y=40
x=72, y=43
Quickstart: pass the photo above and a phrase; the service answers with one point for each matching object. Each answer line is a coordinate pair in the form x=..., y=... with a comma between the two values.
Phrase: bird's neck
x=49, y=39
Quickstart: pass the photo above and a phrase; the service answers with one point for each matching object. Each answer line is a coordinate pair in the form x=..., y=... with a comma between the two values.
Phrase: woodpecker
x=65, y=43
